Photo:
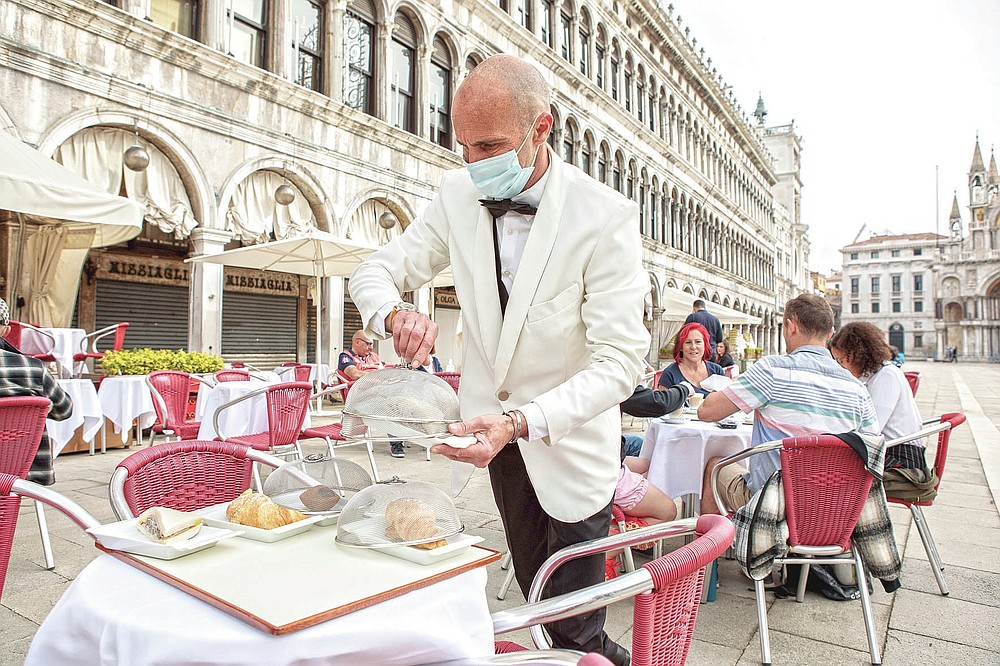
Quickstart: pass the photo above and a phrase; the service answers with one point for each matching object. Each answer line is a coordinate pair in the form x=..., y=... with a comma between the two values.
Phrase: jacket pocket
x=562, y=300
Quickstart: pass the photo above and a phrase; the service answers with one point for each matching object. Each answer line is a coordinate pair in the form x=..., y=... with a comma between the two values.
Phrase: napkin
x=715, y=382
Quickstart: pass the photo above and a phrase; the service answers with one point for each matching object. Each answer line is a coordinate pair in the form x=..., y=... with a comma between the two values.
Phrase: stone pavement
x=915, y=625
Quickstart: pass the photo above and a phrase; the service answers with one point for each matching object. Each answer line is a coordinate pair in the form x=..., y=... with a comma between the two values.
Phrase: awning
x=36, y=186
x=677, y=304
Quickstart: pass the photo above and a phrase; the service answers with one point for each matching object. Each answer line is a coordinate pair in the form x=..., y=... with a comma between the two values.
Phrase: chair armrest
x=73, y=511
x=161, y=405
x=226, y=405
x=116, y=494
x=729, y=460
x=920, y=434
x=210, y=383
x=41, y=333
x=95, y=336
x=328, y=390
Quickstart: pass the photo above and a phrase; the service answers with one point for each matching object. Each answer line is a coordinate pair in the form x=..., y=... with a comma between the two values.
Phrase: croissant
x=256, y=510
x=409, y=519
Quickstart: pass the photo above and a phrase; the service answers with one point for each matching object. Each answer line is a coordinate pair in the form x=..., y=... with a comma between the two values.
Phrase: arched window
x=615, y=67
x=440, y=92
x=600, y=54
x=555, y=123
x=566, y=31
x=568, y=144
x=640, y=95
x=630, y=181
x=629, y=74
x=248, y=32
x=472, y=61
x=359, y=38
x=522, y=12
x=587, y=155
x=602, y=164
x=616, y=175
x=548, y=19
x=307, y=18
x=584, y=42
x=403, y=82
x=652, y=104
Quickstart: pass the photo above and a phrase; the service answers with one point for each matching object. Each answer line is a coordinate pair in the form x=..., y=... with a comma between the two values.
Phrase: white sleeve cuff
x=538, y=427
x=377, y=325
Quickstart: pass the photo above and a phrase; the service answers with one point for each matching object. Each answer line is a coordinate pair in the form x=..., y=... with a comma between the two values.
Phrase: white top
x=894, y=403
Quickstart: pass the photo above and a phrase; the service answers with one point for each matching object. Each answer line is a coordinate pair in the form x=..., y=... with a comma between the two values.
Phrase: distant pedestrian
x=700, y=315
x=954, y=355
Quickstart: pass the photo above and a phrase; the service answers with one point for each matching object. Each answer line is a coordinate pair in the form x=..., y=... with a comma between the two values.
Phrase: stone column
x=333, y=320
x=213, y=26
x=383, y=73
x=333, y=46
x=421, y=96
x=205, y=294
x=278, y=58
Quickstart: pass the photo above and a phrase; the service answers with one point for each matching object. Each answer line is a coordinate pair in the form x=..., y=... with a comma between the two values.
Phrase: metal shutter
x=352, y=323
x=258, y=329
x=363, y=9
x=157, y=314
x=403, y=31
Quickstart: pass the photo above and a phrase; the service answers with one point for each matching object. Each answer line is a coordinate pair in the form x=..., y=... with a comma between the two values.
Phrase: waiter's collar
x=533, y=195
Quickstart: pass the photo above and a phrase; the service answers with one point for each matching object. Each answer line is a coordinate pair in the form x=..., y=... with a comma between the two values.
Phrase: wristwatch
x=400, y=307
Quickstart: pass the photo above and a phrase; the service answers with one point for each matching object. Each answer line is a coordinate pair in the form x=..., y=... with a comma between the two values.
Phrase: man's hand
x=492, y=432
x=413, y=335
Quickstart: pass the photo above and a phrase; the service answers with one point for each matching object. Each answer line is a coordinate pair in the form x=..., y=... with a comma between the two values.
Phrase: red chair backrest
x=22, y=420
x=174, y=387
x=664, y=618
x=9, y=507
x=232, y=375
x=914, y=379
x=287, y=405
x=825, y=485
x=302, y=372
x=453, y=378
x=186, y=475
x=13, y=334
x=944, y=437
x=120, y=335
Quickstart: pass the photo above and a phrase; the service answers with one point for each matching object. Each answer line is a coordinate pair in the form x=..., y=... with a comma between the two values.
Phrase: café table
x=113, y=613
x=287, y=372
x=86, y=412
x=126, y=399
x=67, y=342
x=678, y=452
x=244, y=418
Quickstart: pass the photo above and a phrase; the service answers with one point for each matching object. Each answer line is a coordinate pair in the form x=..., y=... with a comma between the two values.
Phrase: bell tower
x=955, y=220
x=977, y=188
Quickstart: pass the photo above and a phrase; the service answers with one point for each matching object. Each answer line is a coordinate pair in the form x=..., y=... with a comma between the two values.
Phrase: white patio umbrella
x=316, y=254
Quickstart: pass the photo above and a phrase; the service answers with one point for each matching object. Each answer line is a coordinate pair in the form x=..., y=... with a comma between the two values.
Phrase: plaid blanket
x=762, y=533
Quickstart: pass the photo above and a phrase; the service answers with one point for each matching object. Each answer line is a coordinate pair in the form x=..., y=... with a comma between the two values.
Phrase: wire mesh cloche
x=401, y=404
x=316, y=484
x=399, y=513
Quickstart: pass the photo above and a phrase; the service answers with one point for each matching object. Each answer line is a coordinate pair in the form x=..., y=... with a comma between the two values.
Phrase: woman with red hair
x=692, y=352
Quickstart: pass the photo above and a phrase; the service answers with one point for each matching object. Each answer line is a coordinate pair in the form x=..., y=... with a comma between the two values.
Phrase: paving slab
x=790, y=649
x=955, y=620
x=903, y=647
x=974, y=585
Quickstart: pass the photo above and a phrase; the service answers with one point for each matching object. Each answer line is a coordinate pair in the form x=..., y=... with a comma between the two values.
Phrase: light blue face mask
x=501, y=176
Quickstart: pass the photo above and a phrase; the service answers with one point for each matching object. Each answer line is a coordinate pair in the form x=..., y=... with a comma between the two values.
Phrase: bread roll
x=409, y=519
x=165, y=525
x=256, y=510
x=319, y=498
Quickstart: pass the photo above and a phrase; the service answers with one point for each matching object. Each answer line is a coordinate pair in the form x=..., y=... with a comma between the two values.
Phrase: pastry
x=256, y=510
x=409, y=519
x=319, y=498
x=165, y=525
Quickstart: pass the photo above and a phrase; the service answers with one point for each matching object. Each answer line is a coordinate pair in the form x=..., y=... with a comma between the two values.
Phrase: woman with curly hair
x=860, y=347
x=692, y=351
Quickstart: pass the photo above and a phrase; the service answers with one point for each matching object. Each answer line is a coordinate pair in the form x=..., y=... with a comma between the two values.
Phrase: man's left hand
x=492, y=432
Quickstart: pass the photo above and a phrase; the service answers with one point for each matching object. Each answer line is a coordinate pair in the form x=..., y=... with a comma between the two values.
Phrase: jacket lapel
x=541, y=240
x=485, y=282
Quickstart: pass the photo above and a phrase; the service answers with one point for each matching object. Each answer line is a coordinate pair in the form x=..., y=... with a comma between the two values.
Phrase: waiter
x=547, y=268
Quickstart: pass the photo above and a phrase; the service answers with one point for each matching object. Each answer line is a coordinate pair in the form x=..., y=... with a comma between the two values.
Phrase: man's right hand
x=413, y=335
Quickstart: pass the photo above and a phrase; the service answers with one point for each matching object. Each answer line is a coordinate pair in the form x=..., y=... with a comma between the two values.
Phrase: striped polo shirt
x=805, y=392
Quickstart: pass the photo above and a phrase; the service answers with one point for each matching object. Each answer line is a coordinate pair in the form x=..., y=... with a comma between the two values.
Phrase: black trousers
x=533, y=536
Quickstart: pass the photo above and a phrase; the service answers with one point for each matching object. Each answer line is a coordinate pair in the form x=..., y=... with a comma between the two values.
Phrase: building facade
x=888, y=280
x=967, y=272
x=345, y=107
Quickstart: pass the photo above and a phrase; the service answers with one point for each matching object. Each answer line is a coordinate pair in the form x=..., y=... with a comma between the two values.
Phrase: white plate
x=125, y=536
x=216, y=517
x=457, y=545
x=667, y=419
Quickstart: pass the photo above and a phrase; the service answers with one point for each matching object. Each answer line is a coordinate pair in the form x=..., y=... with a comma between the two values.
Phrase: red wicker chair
x=944, y=428
x=232, y=375
x=914, y=380
x=118, y=330
x=667, y=590
x=12, y=488
x=331, y=433
x=184, y=475
x=303, y=371
x=453, y=378
x=16, y=331
x=170, y=390
x=22, y=421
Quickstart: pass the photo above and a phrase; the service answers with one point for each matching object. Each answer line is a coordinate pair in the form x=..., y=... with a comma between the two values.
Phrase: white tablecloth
x=125, y=398
x=115, y=614
x=86, y=412
x=677, y=453
x=287, y=373
x=245, y=418
x=67, y=343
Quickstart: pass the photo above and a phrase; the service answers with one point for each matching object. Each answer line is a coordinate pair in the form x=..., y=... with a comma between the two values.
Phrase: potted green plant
x=144, y=361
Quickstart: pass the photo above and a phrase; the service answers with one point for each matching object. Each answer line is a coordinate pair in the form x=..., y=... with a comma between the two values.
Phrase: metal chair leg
x=924, y=530
x=800, y=592
x=256, y=478
x=765, y=641
x=866, y=609
x=43, y=531
x=505, y=560
x=371, y=460
x=507, y=581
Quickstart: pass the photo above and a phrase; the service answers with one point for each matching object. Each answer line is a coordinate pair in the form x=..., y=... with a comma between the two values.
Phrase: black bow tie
x=499, y=207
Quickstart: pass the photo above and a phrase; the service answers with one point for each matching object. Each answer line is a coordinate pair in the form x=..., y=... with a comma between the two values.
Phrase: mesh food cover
x=399, y=404
x=316, y=484
x=398, y=513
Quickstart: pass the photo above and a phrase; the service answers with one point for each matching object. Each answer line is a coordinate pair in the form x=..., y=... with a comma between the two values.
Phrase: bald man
x=547, y=268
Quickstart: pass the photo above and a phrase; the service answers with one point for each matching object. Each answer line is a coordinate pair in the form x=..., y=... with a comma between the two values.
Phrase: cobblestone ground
x=915, y=624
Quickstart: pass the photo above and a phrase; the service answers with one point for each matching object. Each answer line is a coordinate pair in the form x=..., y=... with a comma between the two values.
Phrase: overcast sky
x=880, y=91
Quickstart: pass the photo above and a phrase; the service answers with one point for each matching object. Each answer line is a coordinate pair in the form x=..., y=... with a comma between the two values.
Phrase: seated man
x=22, y=375
x=359, y=360
x=805, y=392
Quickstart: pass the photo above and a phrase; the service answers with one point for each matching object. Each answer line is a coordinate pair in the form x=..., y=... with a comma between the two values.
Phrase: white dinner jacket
x=573, y=338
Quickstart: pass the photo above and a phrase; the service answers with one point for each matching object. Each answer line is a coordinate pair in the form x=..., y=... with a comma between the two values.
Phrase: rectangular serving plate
x=216, y=517
x=126, y=537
